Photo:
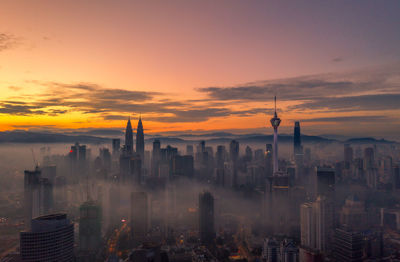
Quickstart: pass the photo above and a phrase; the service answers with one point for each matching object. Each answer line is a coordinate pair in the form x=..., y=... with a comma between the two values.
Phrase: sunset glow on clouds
x=201, y=65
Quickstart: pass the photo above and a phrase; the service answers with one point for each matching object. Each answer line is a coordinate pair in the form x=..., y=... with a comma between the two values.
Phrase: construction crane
x=34, y=159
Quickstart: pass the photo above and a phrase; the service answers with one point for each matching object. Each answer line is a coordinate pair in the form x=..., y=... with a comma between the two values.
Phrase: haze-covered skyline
x=187, y=65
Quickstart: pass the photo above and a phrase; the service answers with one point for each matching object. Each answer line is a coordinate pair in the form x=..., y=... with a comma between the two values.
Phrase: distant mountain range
x=21, y=136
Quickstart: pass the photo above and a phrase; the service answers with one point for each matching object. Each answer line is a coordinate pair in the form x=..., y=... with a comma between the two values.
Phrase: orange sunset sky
x=201, y=65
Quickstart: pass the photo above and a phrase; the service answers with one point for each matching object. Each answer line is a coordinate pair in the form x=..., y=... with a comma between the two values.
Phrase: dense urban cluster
x=199, y=202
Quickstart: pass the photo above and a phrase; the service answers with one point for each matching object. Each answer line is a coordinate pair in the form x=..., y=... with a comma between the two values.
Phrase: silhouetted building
x=296, y=138
x=183, y=166
x=139, y=216
x=277, y=202
x=248, y=154
x=105, y=157
x=234, y=150
x=116, y=145
x=156, y=156
x=206, y=218
x=234, y=156
x=316, y=224
x=51, y=238
x=220, y=157
x=38, y=194
x=49, y=172
x=348, y=245
x=348, y=156
x=325, y=182
x=396, y=177
x=298, y=151
x=310, y=255
x=90, y=238
x=77, y=162
x=189, y=150
x=270, y=251
x=289, y=252
x=324, y=221
x=307, y=225
x=148, y=252
x=353, y=214
x=140, y=140
x=135, y=169
x=129, y=138
x=369, y=158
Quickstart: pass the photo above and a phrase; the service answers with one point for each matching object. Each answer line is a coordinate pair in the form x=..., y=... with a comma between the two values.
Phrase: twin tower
x=139, y=138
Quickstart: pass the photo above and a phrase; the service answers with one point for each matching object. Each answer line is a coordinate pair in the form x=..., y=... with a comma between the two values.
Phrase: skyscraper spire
x=129, y=137
x=140, y=139
x=275, y=121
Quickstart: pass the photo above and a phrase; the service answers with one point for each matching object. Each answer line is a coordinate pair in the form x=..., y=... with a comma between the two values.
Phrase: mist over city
x=195, y=131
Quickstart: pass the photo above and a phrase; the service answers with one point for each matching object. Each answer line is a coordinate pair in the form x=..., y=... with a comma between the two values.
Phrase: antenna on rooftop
x=34, y=159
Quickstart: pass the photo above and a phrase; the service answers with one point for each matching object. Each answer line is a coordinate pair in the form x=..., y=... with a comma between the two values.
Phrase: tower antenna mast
x=34, y=159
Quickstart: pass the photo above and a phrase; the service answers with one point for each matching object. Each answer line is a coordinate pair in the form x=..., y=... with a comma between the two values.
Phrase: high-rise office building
x=90, y=238
x=348, y=156
x=289, y=252
x=325, y=184
x=77, y=162
x=298, y=151
x=348, y=245
x=369, y=158
x=220, y=156
x=248, y=154
x=324, y=222
x=38, y=194
x=270, y=251
x=353, y=214
x=116, y=145
x=32, y=198
x=183, y=166
x=47, y=196
x=51, y=238
x=317, y=224
x=135, y=169
x=206, y=217
x=234, y=150
x=139, y=216
x=307, y=225
x=129, y=138
x=296, y=138
x=234, y=156
x=140, y=139
x=189, y=150
x=156, y=157
x=275, y=122
x=396, y=177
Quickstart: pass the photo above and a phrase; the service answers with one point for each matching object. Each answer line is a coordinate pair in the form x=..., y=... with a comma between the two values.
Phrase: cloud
x=353, y=103
x=337, y=59
x=14, y=88
x=8, y=41
x=364, y=90
x=383, y=79
x=19, y=108
x=349, y=119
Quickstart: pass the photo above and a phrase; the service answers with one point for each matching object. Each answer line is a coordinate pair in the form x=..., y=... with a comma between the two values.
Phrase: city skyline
x=199, y=131
x=214, y=71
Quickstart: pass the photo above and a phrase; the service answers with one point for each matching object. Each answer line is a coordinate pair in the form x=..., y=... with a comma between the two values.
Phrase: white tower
x=275, y=121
